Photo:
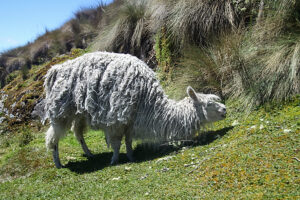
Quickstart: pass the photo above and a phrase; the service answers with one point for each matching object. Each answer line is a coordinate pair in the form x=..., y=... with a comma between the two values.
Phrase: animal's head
x=207, y=105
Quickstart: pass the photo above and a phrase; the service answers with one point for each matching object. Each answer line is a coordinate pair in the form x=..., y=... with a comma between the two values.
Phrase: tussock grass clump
x=91, y=15
x=263, y=64
x=129, y=33
x=195, y=68
x=195, y=21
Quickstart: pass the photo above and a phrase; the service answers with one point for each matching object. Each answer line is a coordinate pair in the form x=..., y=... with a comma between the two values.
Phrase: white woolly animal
x=119, y=94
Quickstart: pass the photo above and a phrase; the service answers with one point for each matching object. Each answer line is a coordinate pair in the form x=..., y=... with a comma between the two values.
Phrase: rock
x=2, y=119
x=13, y=105
x=144, y=177
x=165, y=169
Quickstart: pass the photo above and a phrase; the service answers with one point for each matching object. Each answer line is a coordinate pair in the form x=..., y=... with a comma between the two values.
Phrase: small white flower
x=116, y=179
x=127, y=168
x=287, y=130
x=71, y=158
x=252, y=127
x=235, y=123
x=261, y=126
x=164, y=159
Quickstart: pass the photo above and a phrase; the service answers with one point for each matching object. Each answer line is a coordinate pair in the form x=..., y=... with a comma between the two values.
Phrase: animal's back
x=105, y=86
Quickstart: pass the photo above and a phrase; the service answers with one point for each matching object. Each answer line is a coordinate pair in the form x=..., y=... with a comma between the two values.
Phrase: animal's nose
x=224, y=110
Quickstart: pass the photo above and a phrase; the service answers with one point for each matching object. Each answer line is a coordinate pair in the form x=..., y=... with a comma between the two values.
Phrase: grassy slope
x=241, y=162
x=255, y=159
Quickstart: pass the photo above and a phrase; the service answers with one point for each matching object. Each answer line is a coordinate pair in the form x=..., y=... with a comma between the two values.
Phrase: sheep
x=119, y=94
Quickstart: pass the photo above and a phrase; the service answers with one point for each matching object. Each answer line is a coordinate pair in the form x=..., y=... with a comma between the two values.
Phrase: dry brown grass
x=263, y=64
x=128, y=31
x=197, y=20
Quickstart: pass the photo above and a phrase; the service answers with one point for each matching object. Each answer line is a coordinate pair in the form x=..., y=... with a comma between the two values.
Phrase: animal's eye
x=210, y=103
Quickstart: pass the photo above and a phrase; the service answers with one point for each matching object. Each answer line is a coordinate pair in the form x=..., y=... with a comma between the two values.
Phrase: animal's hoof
x=59, y=166
x=114, y=162
x=89, y=155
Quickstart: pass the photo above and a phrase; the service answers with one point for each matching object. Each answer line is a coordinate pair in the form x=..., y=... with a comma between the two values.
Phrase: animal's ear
x=191, y=92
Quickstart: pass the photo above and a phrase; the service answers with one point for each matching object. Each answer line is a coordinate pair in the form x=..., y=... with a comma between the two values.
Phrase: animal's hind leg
x=114, y=137
x=79, y=128
x=55, y=156
x=115, y=144
x=128, y=142
x=52, y=138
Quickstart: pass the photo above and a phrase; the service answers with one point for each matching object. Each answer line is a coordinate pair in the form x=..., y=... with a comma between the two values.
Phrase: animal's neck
x=169, y=120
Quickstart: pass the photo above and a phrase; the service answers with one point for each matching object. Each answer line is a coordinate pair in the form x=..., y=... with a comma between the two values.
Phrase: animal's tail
x=40, y=108
x=39, y=111
x=50, y=79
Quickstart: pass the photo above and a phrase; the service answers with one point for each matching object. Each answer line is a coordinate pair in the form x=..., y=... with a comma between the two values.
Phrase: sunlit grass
x=255, y=159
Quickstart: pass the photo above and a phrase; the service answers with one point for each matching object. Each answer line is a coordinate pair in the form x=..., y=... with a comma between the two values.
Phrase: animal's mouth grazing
x=223, y=115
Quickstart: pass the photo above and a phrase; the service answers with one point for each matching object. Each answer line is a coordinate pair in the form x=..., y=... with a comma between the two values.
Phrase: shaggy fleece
x=110, y=89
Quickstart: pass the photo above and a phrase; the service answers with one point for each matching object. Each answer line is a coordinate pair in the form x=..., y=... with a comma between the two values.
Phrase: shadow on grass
x=143, y=152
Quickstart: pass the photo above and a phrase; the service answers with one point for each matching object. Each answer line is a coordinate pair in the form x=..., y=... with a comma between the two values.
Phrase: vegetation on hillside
x=261, y=64
x=20, y=95
x=248, y=52
x=239, y=42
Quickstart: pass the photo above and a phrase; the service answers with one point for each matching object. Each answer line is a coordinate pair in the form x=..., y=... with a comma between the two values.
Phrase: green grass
x=253, y=160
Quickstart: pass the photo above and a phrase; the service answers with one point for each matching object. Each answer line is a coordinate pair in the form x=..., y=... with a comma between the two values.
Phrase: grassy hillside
x=258, y=158
x=245, y=52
